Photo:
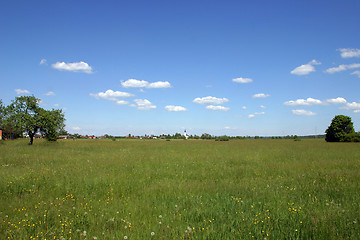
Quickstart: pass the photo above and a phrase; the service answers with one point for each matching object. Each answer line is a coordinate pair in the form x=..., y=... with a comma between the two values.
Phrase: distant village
x=183, y=136
x=66, y=135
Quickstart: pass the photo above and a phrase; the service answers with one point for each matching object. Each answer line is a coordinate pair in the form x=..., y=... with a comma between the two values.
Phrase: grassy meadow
x=179, y=189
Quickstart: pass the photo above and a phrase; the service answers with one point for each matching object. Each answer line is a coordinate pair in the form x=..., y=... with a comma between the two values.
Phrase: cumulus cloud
x=262, y=106
x=261, y=95
x=121, y=102
x=303, y=112
x=43, y=61
x=73, y=67
x=256, y=113
x=304, y=102
x=306, y=69
x=22, y=91
x=349, y=52
x=133, y=83
x=143, y=104
x=76, y=128
x=159, y=84
x=244, y=107
x=172, y=108
x=210, y=100
x=356, y=73
x=354, y=106
x=342, y=67
x=50, y=93
x=217, y=108
x=259, y=113
x=242, y=80
x=111, y=95
x=338, y=100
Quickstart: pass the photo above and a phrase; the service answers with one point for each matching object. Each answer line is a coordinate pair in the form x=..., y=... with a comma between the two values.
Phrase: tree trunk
x=31, y=135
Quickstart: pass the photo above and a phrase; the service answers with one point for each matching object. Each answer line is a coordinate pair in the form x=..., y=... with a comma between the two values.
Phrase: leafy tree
x=352, y=137
x=206, y=136
x=222, y=138
x=52, y=123
x=340, y=126
x=25, y=115
x=63, y=132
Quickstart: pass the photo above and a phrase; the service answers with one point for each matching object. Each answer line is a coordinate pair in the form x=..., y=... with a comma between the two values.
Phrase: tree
x=340, y=126
x=206, y=136
x=24, y=115
x=52, y=123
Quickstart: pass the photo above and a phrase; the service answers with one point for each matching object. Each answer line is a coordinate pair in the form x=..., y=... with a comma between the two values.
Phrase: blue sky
x=154, y=67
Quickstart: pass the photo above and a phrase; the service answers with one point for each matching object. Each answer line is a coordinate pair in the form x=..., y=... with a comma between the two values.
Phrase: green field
x=185, y=189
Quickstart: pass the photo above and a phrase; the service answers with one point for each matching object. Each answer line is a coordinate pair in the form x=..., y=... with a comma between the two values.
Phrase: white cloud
x=133, y=83
x=76, y=128
x=227, y=127
x=305, y=69
x=338, y=100
x=159, y=84
x=22, y=91
x=303, y=102
x=303, y=112
x=73, y=67
x=56, y=105
x=43, y=61
x=259, y=113
x=356, y=73
x=50, y=93
x=352, y=106
x=262, y=106
x=172, y=108
x=336, y=69
x=111, y=95
x=342, y=67
x=217, y=108
x=349, y=52
x=261, y=95
x=244, y=107
x=210, y=100
x=256, y=113
x=242, y=80
x=121, y=102
x=143, y=104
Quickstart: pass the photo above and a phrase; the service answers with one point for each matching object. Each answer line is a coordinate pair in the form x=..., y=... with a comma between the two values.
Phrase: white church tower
x=186, y=135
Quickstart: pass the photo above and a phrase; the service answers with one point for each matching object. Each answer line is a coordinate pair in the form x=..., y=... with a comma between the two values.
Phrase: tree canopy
x=24, y=115
x=339, y=128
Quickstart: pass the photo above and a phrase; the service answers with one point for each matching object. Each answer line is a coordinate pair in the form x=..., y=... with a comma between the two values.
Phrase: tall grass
x=194, y=189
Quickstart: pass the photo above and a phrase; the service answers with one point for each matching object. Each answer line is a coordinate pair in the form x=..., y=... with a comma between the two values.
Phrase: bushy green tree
x=222, y=138
x=206, y=136
x=340, y=126
x=24, y=115
x=352, y=137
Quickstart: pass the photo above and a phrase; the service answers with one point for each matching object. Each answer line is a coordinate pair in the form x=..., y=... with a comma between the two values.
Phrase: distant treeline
x=209, y=136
